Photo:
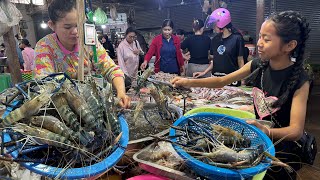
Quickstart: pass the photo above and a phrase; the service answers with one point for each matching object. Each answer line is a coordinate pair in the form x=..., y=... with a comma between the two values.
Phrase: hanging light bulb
x=94, y=18
x=103, y=26
x=43, y=25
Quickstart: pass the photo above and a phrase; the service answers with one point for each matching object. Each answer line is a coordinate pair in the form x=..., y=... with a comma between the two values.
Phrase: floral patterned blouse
x=52, y=57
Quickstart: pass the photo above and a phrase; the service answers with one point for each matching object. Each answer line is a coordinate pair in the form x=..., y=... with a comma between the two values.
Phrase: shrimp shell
x=80, y=106
x=44, y=136
x=28, y=109
x=55, y=125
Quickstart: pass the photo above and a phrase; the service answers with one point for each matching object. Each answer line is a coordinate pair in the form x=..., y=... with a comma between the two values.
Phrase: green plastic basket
x=229, y=112
x=226, y=111
x=5, y=81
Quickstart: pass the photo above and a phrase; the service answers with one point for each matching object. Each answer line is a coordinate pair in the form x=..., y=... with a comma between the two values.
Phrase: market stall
x=73, y=116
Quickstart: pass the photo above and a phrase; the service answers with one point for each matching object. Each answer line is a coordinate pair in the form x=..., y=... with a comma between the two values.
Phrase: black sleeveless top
x=274, y=81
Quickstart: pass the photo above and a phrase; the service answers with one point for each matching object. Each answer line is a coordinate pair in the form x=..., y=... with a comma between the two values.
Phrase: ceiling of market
x=126, y=5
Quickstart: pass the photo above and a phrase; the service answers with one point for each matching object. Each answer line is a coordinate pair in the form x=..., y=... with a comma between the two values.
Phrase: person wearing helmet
x=227, y=46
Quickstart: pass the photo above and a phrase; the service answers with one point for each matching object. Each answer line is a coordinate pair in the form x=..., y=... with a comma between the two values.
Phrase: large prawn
x=28, y=109
x=56, y=126
x=80, y=106
x=68, y=116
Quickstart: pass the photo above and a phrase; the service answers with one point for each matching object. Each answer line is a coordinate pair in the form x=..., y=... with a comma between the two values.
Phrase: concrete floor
x=313, y=126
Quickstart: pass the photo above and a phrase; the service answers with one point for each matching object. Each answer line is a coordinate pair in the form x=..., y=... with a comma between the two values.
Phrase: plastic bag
x=9, y=16
x=101, y=16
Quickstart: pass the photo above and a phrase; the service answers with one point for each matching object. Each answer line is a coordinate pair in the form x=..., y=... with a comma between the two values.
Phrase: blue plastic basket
x=95, y=170
x=212, y=172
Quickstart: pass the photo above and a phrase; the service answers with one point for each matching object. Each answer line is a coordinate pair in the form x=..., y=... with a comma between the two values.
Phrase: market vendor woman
x=59, y=52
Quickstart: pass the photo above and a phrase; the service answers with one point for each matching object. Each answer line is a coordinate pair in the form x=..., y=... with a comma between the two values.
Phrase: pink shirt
x=128, y=61
x=28, y=58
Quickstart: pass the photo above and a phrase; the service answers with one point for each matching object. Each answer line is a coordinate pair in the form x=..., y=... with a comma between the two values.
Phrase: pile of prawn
x=61, y=123
x=221, y=146
x=227, y=94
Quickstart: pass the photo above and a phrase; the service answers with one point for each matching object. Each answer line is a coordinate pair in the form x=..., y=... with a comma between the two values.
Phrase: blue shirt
x=19, y=52
x=168, y=59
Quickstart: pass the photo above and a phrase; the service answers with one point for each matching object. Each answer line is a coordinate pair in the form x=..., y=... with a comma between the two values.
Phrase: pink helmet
x=221, y=17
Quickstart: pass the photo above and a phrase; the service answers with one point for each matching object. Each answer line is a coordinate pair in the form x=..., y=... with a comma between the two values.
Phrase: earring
x=293, y=56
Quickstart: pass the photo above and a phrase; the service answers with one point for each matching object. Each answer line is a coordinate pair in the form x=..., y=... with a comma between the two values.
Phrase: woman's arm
x=179, y=56
x=108, y=68
x=43, y=60
x=297, y=118
x=114, y=74
x=151, y=51
x=214, y=82
x=139, y=47
x=240, y=61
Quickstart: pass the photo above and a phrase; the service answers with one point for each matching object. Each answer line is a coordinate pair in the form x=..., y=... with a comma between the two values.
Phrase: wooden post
x=260, y=16
x=81, y=20
x=13, y=60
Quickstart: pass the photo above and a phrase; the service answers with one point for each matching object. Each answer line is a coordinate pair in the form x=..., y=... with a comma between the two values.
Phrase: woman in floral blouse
x=59, y=52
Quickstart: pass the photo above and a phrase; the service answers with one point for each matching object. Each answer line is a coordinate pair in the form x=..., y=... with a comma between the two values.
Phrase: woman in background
x=199, y=47
x=107, y=45
x=27, y=54
x=166, y=48
x=128, y=55
x=227, y=47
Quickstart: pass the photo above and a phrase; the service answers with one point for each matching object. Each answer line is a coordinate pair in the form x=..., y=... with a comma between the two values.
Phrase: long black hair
x=59, y=8
x=290, y=25
x=167, y=22
x=197, y=24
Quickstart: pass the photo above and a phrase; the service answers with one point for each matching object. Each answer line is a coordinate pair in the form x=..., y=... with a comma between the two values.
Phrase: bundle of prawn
x=62, y=123
x=205, y=140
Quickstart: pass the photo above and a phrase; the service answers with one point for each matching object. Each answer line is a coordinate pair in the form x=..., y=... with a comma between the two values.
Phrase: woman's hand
x=136, y=52
x=198, y=74
x=182, y=71
x=179, y=81
x=144, y=65
x=262, y=127
x=186, y=56
x=124, y=100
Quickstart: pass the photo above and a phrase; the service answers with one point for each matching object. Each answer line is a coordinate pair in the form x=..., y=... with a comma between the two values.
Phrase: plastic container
x=212, y=172
x=158, y=169
x=5, y=81
x=90, y=172
x=27, y=75
x=226, y=111
x=148, y=177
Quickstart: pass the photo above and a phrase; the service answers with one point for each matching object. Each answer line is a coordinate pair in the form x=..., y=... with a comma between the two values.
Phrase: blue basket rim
x=77, y=173
x=247, y=172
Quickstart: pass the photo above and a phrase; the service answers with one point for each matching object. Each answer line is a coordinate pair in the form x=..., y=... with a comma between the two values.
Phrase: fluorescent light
x=103, y=26
x=43, y=25
x=35, y=2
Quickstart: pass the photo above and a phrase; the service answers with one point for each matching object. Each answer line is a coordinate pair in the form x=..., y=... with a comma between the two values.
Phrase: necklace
x=265, y=103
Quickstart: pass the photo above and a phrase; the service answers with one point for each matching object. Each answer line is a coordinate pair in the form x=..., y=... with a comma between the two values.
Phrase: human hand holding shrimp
x=124, y=100
x=179, y=81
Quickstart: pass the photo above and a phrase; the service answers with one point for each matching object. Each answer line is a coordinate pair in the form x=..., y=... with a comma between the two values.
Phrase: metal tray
x=158, y=169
